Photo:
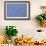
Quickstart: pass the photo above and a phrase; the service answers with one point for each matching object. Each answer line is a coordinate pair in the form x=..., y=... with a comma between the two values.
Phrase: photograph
x=17, y=10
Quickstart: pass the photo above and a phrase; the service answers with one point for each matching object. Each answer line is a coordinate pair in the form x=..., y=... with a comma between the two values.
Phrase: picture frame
x=16, y=10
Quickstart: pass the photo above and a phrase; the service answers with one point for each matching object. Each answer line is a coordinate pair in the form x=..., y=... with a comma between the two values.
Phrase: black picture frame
x=17, y=18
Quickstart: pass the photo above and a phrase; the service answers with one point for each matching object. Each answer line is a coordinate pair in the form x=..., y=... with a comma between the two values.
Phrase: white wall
x=25, y=27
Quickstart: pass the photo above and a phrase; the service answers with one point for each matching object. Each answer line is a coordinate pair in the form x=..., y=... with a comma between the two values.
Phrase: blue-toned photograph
x=17, y=10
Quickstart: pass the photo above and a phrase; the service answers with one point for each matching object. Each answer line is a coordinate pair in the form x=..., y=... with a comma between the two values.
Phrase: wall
x=25, y=27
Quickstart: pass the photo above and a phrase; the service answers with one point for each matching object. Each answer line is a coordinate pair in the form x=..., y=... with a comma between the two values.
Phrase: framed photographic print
x=17, y=10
